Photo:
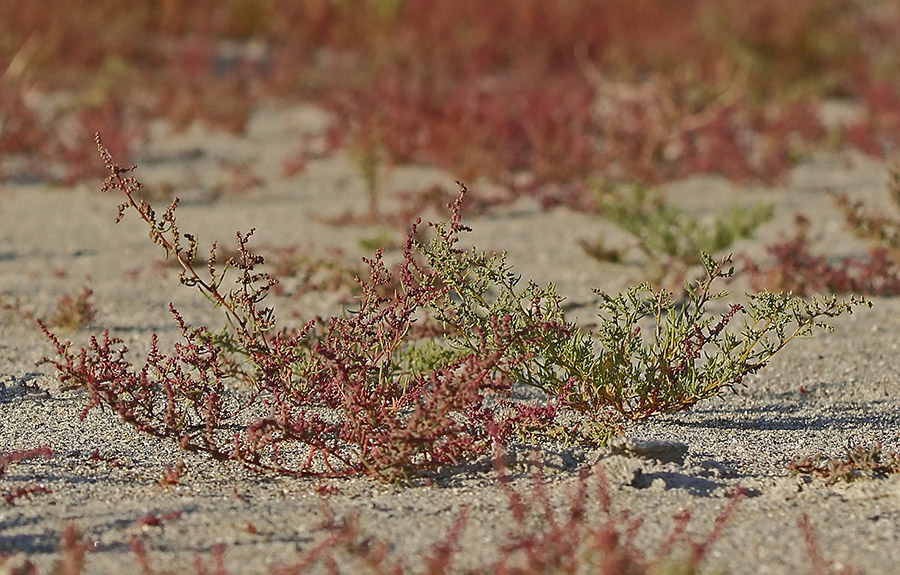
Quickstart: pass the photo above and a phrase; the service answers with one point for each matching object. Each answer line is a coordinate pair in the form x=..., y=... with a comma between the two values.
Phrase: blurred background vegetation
x=539, y=95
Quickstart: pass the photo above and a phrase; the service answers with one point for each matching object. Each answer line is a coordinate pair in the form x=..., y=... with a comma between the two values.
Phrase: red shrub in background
x=627, y=90
x=796, y=268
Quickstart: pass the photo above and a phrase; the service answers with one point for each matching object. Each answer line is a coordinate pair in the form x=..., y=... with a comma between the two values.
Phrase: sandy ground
x=817, y=397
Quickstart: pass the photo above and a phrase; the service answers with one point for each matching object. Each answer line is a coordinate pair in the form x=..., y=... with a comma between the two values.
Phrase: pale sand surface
x=819, y=396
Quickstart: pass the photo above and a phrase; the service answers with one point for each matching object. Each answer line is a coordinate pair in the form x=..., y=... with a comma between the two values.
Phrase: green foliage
x=669, y=238
x=483, y=297
x=690, y=353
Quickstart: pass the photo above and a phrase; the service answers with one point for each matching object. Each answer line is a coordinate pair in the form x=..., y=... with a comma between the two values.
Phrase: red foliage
x=26, y=491
x=23, y=455
x=538, y=107
x=798, y=270
x=878, y=133
x=330, y=401
x=157, y=520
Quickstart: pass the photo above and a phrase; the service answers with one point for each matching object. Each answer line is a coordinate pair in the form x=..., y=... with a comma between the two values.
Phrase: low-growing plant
x=858, y=461
x=315, y=272
x=311, y=271
x=669, y=239
x=154, y=519
x=876, y=132
x=574, y=542
x=12, y=306
x=587, y=536
x=172, y=475
x=142, y=558
x=74, y=312
x=350, y=393
x=71, y=312
x=798, y=269
x=366, y=154
x=689, y=355
x=882, y=230
x=364, y=393
x=28, y=490
x=23, y=455
x=97, y=458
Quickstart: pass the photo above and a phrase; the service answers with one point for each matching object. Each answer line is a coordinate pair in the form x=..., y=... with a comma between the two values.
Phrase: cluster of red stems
x=28, y=490
x=797, y=268
x=329, y=387
x=858, y=461
x=540, y=539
